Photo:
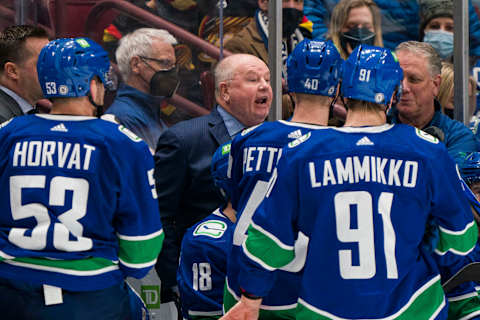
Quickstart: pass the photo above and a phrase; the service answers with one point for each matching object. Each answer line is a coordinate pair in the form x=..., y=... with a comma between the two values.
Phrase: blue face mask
x=441, y=41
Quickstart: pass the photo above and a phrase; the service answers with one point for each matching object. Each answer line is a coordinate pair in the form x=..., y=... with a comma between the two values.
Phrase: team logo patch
x=379, y=97
x=300, y=140
x=63, y=89
x=246, y=131
x=226, y=149
x=129, y=133
x=82, y=42
x=211, y=228
x=425, y=136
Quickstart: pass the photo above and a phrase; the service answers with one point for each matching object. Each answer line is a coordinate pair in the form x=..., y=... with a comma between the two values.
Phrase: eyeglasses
x=164, y=64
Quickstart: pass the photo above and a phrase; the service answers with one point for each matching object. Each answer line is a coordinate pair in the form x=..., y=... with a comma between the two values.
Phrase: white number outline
x=202, y=276
x=364, y=234
x=68, y=219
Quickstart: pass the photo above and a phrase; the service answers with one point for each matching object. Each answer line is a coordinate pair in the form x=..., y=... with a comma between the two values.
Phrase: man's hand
x=245, y=309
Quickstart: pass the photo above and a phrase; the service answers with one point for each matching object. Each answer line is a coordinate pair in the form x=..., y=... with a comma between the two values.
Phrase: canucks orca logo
x=211, y=228
x=426, y=136
x=300, y=140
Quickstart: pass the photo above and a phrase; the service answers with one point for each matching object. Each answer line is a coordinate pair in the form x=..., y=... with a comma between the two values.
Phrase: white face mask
x=441, y=41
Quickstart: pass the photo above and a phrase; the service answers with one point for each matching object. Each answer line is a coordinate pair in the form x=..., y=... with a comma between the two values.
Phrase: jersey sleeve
x=270, y=243
x=457, y=234
x=138, y=225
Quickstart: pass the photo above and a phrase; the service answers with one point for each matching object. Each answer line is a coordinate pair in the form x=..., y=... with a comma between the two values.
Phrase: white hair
x=139, y=43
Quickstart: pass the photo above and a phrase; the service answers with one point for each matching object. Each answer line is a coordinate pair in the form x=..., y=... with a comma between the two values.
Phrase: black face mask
x=291, y=19
x=355, y=37
x=164, y=83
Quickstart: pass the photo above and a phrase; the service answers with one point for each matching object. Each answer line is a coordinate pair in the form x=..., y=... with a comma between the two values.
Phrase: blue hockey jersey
x=253, y=156
x=362, y=197
x=203, y=266
x=78, y=202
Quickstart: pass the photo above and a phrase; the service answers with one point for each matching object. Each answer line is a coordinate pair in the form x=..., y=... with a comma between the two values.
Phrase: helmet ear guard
x=66, y=66
x=371, y=74
x=314, y=67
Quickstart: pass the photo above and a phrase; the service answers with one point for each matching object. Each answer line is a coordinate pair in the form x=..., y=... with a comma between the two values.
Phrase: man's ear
x=11, y=70
x=135, y=65
x=224, y=92
x=436, y=84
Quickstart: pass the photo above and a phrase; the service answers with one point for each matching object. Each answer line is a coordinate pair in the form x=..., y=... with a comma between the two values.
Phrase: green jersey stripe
x=139, y=252
x=456, y=242
x=266, y=249
x=466, y=308
x=426, y=303
x=139, y=265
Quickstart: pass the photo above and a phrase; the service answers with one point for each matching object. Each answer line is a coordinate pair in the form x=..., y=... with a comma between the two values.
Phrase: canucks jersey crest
x=129, y=133
x=300, y=140
x=211, y=228
x=425, y=136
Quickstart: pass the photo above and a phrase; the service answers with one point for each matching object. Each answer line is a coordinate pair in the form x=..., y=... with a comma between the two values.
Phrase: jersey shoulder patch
x=300, y=140
x=4, y=124
x=211, y=228
x=248, y=130
x=129, y=133
x=426, y=136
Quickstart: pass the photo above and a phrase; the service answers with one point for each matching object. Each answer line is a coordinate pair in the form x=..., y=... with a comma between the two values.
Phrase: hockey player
x=313, y=74
x=205, y=248
x=362, y=195
x=78, y=204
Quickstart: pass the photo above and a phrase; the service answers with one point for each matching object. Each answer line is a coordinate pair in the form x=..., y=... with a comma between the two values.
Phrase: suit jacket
x=185, y=189
x=9, y=108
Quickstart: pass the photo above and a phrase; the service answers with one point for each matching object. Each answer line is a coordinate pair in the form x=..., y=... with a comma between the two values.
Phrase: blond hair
x=340, y=17
x=445, y=91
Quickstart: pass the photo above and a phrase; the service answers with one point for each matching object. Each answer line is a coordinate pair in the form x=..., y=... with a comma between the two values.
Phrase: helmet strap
x=98, y=107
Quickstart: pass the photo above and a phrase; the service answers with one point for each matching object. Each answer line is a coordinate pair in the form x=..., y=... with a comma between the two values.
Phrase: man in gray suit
x=19, y=86
x=185, y=189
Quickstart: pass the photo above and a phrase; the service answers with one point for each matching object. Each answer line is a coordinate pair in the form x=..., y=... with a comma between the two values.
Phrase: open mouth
x=261, y=100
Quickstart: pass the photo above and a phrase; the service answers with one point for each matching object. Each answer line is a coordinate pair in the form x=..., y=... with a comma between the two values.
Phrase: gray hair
x=139, y=43
x=427, y=51
x=225, y=69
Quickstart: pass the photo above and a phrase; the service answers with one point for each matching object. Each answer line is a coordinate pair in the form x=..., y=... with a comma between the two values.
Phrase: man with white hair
x=146, y=59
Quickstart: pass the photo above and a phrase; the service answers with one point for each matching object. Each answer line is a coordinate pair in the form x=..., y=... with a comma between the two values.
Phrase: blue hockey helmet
x=314, y=67
x=371, y=74
x=470, y=167
x=66, y=66
x=219, y=170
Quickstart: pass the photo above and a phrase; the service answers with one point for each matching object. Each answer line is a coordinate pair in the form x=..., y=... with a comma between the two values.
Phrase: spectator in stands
x=74, y=226
x=436, y=25
x=400, y=21
x=253, y=39
x=186, y=193
x=146, y=60
x=445, y=90
x=19, y=86
x=418, y=105
x=354, y=22
x=124, y=24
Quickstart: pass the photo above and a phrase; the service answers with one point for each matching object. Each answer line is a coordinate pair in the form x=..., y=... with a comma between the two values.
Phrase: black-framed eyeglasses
x=164, y=64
